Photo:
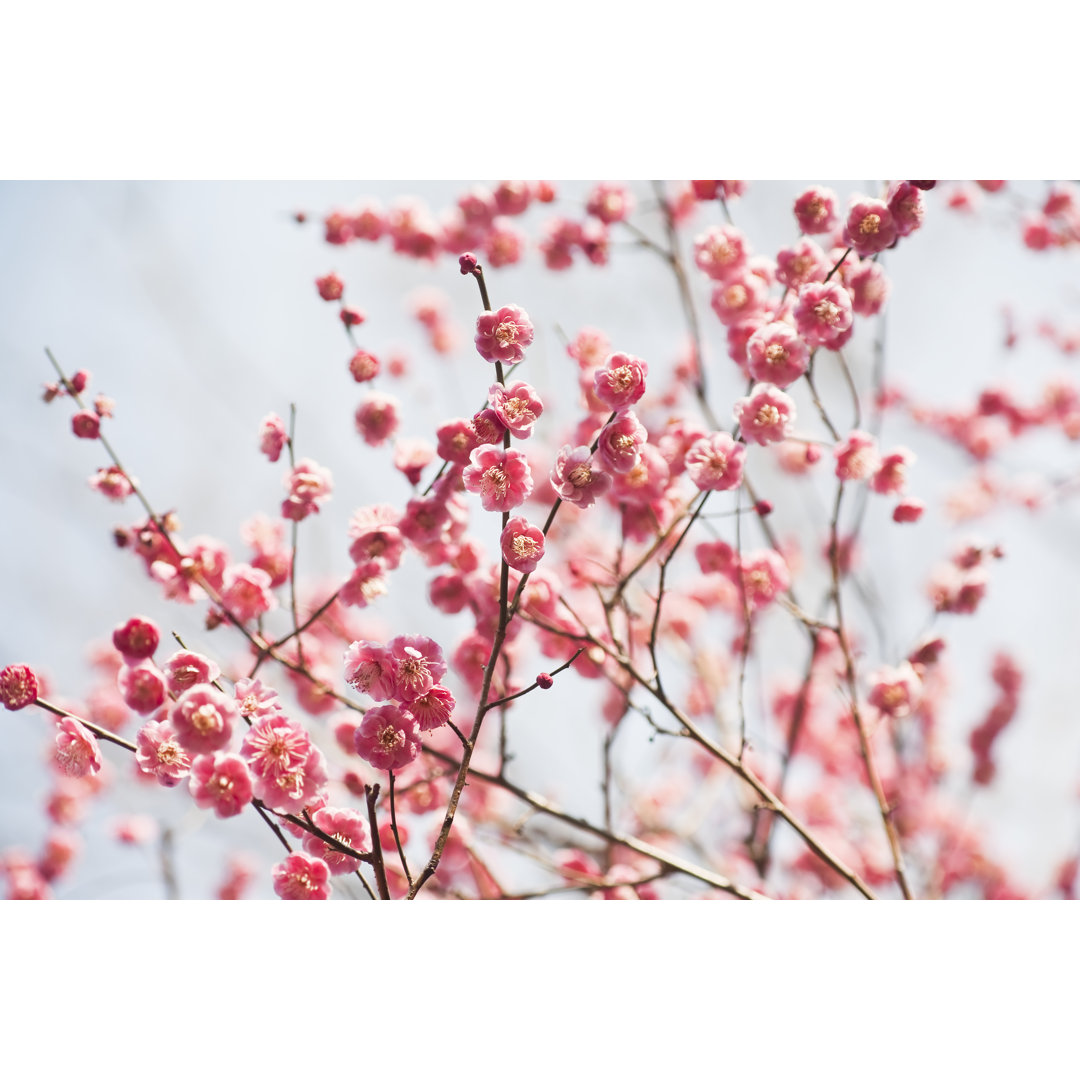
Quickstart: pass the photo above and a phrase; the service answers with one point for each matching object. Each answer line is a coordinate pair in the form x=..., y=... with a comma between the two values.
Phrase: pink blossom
x=488, y=427
x=433, y=709
x=347, y=827
x=908, y=510
x=221, y=782
x=764, y=575
x=375, y=535
x=417, y=665
x=891, y=476
x=370, y=668
x=610, y=202
x=113, y=483
x=620, y=383
x=203, y=719
x=645, y=483
x=86, y=424
x=715, y=462
x=739, y=298
x=255, y=701
x=720, y=252
x=504, y=245
x=857, y=457
x=895, y=690
x=576, y=478
x=365, y=584
x=517, y=406
x=620, y=442
x=512, y=197
x=309, y=486
x=363, y=366
x=815, y=210
x=522, y=545
x=185, y=669
x=776, y=354
x=77, y=752
x=377, y=418
x=906, y=207
x=868, y=286
x=135, y=829
x=142, y=687
x=273, y=436
x=870, y=227
x=302, y=877
x=288, y=770
x=502, y=478
x=159, y=753
x=456, y=441
x=411, y=457
x=823, y=313
x=330, y=287
x=388, y=737
x=801, y=264
x=247, y=593
x=767, y=415
x=503, y=335
x=137, y=639
x=18, y=686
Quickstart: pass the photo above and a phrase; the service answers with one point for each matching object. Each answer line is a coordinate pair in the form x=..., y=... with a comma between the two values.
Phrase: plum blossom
x=620, y=383
x=715, y=462
x=18, y=687
x=522, y=545
x=272, y=436
x=221, y=782
x=388, y=737
x=767, y=415
x=776, y=354
x=518, y=407
x=503, y=335
x=77, y=753
x=502, y=478
x=203, y=719
x=823, y=313
x=347, y=827
x=309, y=486
x=302, y=877
x=159, y=753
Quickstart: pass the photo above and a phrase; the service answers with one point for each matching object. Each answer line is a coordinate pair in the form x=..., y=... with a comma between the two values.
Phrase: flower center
x=767, y=416
x=870, y=224
x=506, y=333
x=622, y=378
x=827, y=312
x=495, y=479
x=525, y=547
x=580, y=476
x=775, y=354
x=390, y=738
x=205, y=719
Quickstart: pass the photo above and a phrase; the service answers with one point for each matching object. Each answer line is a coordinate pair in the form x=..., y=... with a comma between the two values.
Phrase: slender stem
x=394, y=829
x=372, y=794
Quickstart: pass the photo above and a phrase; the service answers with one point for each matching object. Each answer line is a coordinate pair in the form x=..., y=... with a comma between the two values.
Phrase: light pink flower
x=221, y=782
x=504, y=245
x=288, y=770
x=377, y=418
x=345, y=826
x=370, y=668
x=715, y=462
x=247, y=593
x=503, y=335
x=256, y=701
x=801, y=264
x=418, y=664
x=620, y=383
x=185, y=669
x=203, y=719
x=620, y=442
x=330, y=287
x=18, y=686
x=522, y=545
x=411, y=457
x=272, y=436
x=363, y=366
x=302, y=877
x=77, y=752
x=765, y=575
x=776, y=354
x=576, y=478
x=857, y=457
x=456, y=441
x=113, y=483
x=433, y=709
x=375, y=535
x=823, y=313
x=720, y=251
x=501, y=477
x=142, y=687
x=870, y=227
x=895, y=690
x=517, y=406
x=645, y=483
x=159, y=753
x=388, y=737
x=868, y=286
x=309, y=485
x=767, y=415
x=365, y=584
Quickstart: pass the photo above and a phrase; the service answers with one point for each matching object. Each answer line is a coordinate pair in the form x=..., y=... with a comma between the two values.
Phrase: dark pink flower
x=142, y=687
x=815, y=210
x=347, y=827
x=502, y=478
x=86, y=424
x=433, y=709
x=522, y=545
x=518, y=407
x=137, y=639
x=907, y=510
x=363, y=366
x=823, y=313
x=610, y=202
x=870, y=227
x=620, y=383
x=456, y=441
x=18, y=687
x=370, y=668
x=388, y=737
x=721, y=251
x=221, y=782
x=330, y=287
x=375, y=535
x=801, y=264
x=185, y=669
x=891, y=476
x=895, y=690
x=247, y=593
x=309, y=486
x=503, y=335
x=906, y=207
x=302, y=877
x=418, y=664
x=377, y=418
x=273, y=436
x=620, y=442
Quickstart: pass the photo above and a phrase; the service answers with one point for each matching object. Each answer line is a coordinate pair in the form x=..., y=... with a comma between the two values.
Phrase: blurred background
x=193, y=305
